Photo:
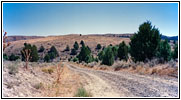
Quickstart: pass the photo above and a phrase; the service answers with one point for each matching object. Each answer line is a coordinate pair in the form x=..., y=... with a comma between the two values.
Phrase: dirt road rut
x=125, y=84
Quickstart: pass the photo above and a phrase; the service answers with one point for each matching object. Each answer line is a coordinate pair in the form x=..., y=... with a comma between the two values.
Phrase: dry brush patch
x=65, y=84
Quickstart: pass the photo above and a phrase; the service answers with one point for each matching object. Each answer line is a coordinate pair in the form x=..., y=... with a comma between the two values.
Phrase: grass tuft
x=81, y=92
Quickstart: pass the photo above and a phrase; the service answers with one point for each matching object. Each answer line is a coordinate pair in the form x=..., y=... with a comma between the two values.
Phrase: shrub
x=13, y=57
x=76, y=45
x=164, y=51
x=67, y=48
x=123, y=51
x=5, y=57
x=38, y=85
x=73, y=52
x=47, y=58
x=41, y=49
x=13, y=68
x=108, y=58
x=75, y=59
x=98, y=46
x=48, y=70
x=144, y=43
x=81, y=92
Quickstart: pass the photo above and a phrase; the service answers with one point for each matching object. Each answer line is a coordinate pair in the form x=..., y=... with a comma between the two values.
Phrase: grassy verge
x=81, y=92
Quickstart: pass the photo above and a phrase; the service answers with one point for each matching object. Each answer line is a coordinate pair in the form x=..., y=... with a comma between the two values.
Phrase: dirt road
x=125, y=84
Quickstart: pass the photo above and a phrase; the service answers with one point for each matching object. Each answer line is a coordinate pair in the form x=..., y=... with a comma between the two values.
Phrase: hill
x=16, y=38
x=60, y=42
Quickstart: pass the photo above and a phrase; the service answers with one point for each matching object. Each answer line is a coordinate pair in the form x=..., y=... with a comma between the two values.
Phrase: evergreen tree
x=164, y=51
x=175, y=52
x=34, y=54
x=98, y=46
x=67, y=48
x=47, y=58
x=144, y=43
x=54, y=50
x=41, y=49
x=76, y=45
x=101, y=54
x=115, y=52
x=52, y=55
x=82, y=43
x=108, y=58
x=123, y=51
x=73, y=52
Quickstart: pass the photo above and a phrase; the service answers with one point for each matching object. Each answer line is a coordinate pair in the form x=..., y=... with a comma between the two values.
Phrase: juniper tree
x=144, y=43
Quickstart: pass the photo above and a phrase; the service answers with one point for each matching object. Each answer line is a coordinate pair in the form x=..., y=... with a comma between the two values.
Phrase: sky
x=44, y=19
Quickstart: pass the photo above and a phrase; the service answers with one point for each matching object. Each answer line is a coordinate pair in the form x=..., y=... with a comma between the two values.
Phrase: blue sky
x=87, y=18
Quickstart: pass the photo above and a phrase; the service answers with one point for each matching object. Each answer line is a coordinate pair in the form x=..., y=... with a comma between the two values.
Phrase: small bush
x=48, y=70
x=13, y=57
x=81, y=92
x=75, y=59
x=38, y=85
x=13, y=69
x=5, y=57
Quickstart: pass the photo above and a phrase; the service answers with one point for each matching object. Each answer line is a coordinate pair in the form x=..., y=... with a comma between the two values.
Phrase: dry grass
x=67, y=86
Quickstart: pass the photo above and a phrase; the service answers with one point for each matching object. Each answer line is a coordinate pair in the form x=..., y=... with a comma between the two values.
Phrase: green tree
x=52, y=55
x=175, y=52
x=144, y=43
x=82, y=43
x=76, y=45
x=98, y=47
x=34, y=54
x=67, y=48
x=47, y=58
x=54, y=50
x=41, y=49
x=101, y=54
x=73, y=52
x=115, y=52
x=164, y=51
x=108, y=58
x=85, y=55
x=123, y=51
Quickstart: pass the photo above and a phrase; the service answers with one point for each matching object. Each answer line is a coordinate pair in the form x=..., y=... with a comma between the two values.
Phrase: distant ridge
x=16, y=38
x=170, y=37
